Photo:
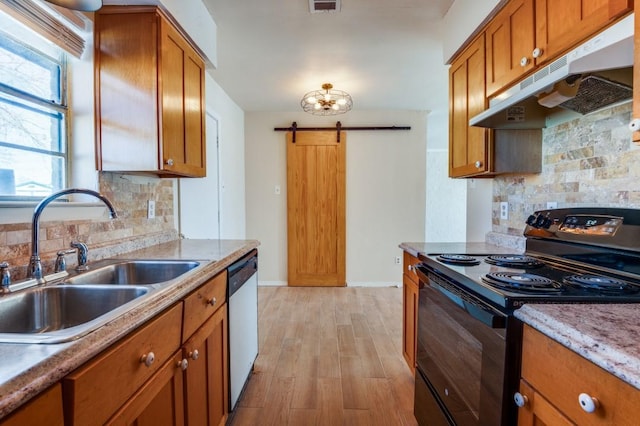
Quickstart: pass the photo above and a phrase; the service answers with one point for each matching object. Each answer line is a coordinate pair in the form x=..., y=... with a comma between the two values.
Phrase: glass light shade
x=82, y=5
x=326, y=101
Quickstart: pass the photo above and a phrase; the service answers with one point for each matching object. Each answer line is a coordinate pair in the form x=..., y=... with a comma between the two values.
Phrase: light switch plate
x=151, y=209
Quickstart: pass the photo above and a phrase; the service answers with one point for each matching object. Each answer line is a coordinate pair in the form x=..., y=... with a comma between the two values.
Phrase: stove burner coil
x=514, y=261
x=521, y=282
x=598, y=283
x=458, y=259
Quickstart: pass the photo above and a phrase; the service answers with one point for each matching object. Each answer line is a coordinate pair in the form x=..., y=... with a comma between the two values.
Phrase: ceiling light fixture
x=327, y=101
x=82, y=5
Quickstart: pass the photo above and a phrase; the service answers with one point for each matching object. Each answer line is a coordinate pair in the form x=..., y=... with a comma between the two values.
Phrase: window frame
x=57, y=109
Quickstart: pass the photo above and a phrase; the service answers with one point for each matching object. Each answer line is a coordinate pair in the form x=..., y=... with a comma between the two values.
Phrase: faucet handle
x=61, y=263
x=83, y=251
x=6, y=277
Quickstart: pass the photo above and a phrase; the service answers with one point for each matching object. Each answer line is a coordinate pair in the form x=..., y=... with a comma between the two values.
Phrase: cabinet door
x=537, y=411
x=183, y=138
x=206, y=378
x=45, y=409
x=563, y=24
x=409, y=321
x=510, y=39
x=469, y=147
x=160, y=402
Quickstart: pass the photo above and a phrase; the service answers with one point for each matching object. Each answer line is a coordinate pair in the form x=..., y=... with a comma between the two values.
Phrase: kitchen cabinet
x=149, y=91
x=558, y=386
x=470, y=148
x=46, y=408
x=160, y=401
x=510, y=39
x=410, y=290
x=96, y=391
x=528, y=33
x=206, y=378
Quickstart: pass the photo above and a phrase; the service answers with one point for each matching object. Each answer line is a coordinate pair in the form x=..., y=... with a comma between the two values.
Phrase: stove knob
x=531, y=220
x=547, y=223
x=540, y=221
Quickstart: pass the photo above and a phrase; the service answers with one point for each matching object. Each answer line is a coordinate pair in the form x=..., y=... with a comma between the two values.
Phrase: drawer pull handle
x=520, y=399
x=194, y=354
x=212, y=301
x=148, y=359
x=183, y=364
x=588, y=403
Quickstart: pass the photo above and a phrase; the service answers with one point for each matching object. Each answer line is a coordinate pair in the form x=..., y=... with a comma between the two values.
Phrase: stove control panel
x=591, y=225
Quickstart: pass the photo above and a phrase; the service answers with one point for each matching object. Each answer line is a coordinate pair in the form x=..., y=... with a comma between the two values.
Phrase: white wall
x=232, y=175
x=385, y=190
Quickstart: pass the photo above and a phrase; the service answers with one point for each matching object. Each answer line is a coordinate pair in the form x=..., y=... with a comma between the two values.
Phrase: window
x=33, y=121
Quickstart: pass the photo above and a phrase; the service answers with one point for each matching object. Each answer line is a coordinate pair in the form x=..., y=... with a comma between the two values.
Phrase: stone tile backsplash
x=589, y=161
x=130, y=231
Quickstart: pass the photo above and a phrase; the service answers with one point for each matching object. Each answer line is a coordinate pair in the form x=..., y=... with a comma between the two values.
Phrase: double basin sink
x=75, y=306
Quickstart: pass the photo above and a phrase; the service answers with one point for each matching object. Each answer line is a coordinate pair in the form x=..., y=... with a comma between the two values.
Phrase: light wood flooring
x=328, y=356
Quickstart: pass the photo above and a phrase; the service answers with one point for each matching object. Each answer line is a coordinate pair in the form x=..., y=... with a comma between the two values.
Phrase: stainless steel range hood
x=592, y=76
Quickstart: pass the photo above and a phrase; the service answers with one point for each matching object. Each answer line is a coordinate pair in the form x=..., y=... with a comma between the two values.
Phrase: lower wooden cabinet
x=159, y=402
x=410, y=288
x=206, y=378
x=558, y=385
x=45, y=409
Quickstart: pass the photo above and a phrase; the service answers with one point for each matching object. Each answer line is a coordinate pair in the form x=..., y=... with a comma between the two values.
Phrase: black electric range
x=579, y=255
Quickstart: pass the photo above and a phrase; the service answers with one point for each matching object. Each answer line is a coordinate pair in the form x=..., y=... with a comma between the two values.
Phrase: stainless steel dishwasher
x=243, y=322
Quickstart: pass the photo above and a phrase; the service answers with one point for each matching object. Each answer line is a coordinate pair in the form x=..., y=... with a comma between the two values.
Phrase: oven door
x=461, y=357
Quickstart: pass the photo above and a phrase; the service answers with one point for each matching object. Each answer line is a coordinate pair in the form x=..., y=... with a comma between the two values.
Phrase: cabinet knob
x=183, y=364
x=410, y=267
x=634, y=126
x=194, y=354
x=524, y=61
x=148, y=359
x=588, y=403
x=537, y=52
x=520, y=399
x=169, y=162
x=478, y=164
x=212, y=301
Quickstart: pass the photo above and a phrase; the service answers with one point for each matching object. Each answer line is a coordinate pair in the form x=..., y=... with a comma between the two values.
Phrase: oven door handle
x=478, y=310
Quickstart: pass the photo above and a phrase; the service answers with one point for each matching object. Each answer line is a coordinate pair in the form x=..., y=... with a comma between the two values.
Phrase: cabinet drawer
x=202, y=303
x=95, y=391
x=409, y=262
x=561, y=375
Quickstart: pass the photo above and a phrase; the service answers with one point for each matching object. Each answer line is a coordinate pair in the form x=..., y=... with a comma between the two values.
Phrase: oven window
x=462, y=358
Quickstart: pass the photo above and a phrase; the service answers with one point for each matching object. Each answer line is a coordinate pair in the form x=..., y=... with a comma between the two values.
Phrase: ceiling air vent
x=316, y=6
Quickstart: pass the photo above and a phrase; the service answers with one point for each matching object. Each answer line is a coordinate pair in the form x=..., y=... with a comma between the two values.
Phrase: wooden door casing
x=316, y=212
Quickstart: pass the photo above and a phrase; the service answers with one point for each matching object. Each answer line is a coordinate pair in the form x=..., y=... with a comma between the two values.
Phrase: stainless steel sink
x=61, y=313
x=135, y=272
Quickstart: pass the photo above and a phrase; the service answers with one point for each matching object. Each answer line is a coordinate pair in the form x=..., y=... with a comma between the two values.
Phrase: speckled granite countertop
x=459, y=248
x=607, y=335
x=28, y=369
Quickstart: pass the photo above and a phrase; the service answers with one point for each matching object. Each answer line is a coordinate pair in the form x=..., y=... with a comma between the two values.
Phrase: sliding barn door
x=316, y=208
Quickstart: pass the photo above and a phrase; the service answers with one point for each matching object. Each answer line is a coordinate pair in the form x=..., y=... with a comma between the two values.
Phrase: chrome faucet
x=35, y=265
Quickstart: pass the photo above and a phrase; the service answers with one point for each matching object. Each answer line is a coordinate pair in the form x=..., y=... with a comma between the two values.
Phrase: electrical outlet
x=151, y=209
x=552, y=205
x=398, y=260
x=504, y=210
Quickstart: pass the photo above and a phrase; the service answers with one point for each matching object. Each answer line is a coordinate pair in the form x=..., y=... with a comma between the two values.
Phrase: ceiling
x=382, y=52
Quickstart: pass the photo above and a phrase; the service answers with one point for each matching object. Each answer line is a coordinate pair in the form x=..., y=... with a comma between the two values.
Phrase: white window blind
x=50, y=24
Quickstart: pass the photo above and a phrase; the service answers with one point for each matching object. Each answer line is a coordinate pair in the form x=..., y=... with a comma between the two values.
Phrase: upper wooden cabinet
x=149, y=84
x=528, y=33
x=469, y=147
x=510, y=39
